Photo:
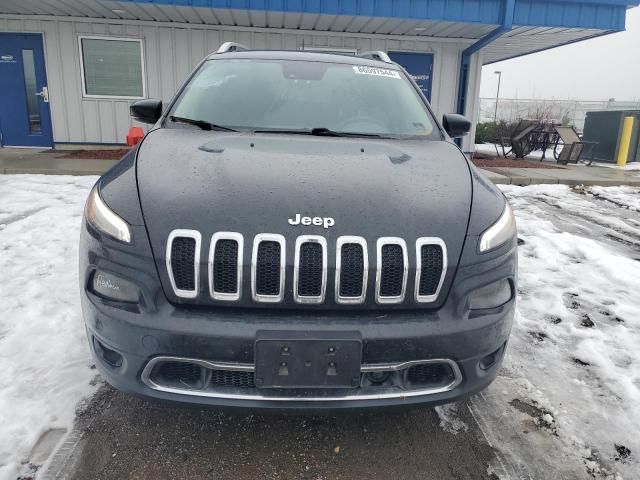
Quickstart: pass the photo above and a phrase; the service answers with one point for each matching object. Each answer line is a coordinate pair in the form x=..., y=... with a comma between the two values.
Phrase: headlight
x=499, y=232
x=104, y=219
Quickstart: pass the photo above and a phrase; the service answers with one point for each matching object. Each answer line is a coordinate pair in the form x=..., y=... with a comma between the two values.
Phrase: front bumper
x=155, y=329
x=226, y=338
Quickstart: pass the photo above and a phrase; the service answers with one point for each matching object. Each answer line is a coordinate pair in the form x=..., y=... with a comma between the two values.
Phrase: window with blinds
x=112, y=67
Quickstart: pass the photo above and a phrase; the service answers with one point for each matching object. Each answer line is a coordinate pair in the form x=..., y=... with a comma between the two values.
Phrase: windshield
x=273, y=95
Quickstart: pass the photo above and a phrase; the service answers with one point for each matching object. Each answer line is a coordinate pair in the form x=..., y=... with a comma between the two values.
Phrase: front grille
x=351, y=270
x=183, y=252
x=225, y=266
x=392, y=271
x=268, y=268
x=183, y=262
x=310, y=271
x=312, y=265
x=431, y=269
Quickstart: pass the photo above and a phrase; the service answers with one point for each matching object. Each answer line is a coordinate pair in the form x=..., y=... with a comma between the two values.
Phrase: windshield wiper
x=203, y=124
x=321, y=132
x=326, y=132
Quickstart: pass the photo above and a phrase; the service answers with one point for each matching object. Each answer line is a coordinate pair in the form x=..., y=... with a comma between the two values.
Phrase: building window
x=112, y=67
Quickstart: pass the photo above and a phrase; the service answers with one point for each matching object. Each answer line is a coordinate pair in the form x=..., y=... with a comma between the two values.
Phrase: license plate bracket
x=307, y=359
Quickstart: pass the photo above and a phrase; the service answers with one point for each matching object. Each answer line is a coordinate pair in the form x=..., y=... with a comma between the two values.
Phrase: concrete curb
x=521, y=177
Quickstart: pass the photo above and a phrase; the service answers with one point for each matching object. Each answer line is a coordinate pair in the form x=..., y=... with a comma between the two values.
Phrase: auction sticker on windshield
x=378, y=72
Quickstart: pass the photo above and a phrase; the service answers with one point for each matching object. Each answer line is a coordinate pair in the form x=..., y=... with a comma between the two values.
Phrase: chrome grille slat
x=195, y=236
x=348, y=267
x=381, y=296
x=420, y=295
x=305, y=268
x=265, y=268
x=222, y=263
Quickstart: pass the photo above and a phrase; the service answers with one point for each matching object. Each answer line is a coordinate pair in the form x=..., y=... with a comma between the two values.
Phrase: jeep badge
x=325, y=222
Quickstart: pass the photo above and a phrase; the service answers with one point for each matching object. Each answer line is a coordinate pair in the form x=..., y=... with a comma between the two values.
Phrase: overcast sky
x=597, y=69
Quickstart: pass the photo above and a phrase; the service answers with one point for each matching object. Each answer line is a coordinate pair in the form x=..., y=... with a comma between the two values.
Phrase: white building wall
x=171, y=50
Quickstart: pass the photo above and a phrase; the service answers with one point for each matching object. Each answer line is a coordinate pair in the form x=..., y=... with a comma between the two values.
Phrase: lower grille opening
x=207, y=378
x=179, y=374
x=429, y=375
x=176, y=374
x=229, y=378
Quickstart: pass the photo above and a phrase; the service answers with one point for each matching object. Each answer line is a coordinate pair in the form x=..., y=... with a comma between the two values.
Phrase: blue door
x=25, y=118
x=419, y=66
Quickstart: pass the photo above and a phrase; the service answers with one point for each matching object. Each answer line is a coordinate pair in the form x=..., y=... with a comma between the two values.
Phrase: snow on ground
x=488, y=148
x=44, y=356
x=571, y=377
x=626, y=197
x=492, y=148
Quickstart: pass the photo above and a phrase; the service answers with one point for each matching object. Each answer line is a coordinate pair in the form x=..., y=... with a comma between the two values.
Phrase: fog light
x=110, y=357
x=490, y=360
x=114, y=288
x=491, y=296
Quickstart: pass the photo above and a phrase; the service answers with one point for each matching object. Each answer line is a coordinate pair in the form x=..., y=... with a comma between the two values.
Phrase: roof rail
x=376, y=55
x=230, y=47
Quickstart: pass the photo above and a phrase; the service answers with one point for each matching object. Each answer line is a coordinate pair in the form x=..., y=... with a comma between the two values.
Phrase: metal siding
x=601, y=14
x=451, y=10
x=70, y=57
x=54, y=71
x=182, y=55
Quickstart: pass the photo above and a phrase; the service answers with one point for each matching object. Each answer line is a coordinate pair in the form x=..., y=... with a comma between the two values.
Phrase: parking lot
x=566, y=400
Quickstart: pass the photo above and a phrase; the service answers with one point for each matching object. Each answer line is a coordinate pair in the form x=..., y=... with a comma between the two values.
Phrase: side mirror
x=456, y=125
x=148, y=110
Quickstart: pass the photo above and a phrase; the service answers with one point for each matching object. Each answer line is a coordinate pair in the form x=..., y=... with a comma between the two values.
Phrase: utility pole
x=495, y=115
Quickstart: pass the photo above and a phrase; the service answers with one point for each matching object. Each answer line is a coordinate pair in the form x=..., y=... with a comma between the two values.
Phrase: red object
x=136, y=134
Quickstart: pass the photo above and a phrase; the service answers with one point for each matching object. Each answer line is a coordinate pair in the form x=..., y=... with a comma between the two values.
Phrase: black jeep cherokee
x=297, y=230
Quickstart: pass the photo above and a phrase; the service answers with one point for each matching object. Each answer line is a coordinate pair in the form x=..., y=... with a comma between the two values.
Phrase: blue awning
x=536, y=24
x=597, y=14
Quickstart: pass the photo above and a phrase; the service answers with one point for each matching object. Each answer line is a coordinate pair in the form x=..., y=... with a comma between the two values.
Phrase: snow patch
x=449, y=418
x=43, y=349
x=573, y=352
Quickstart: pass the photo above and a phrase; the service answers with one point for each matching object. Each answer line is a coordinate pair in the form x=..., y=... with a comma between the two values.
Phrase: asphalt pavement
x=123, y=437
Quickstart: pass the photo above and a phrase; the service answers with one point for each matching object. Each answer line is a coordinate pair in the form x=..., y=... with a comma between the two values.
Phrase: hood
x=237, y=182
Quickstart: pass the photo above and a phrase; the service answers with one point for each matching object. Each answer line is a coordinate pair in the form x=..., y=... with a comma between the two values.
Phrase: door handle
x=44, y=94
